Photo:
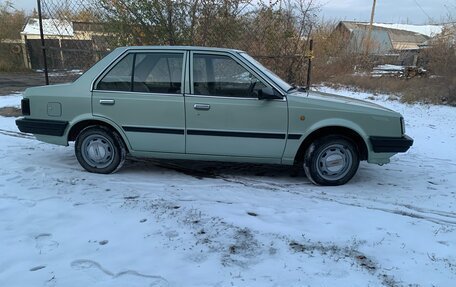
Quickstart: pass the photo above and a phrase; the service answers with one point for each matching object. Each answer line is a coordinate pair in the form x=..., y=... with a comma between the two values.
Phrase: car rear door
x=223, y=115
x=143, y=94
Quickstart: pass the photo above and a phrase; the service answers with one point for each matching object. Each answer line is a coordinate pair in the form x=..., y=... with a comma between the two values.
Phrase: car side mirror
x=268, y=94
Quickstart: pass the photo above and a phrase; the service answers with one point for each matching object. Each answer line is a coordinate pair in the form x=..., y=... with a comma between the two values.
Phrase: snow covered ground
x=161, y=223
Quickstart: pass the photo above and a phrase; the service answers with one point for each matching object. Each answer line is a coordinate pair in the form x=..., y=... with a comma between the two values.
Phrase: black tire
x=100, y=150
x=331, y=160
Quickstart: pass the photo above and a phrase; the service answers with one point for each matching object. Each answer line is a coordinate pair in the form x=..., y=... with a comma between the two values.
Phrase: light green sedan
x=208, y=104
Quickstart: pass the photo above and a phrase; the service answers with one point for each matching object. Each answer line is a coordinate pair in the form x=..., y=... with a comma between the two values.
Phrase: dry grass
x=336, y=65
x=423, y=90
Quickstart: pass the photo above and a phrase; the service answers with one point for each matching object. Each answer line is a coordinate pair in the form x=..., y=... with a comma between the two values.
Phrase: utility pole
x=309, y=64
x=43, y=47
x=369, y=31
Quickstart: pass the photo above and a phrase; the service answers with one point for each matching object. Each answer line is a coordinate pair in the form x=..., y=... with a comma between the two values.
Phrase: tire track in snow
x=407, y=210
x=17, y=134
x=438, y=217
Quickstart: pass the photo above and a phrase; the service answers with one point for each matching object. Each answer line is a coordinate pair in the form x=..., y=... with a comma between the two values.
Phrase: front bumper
x=391, y=144
x=42, y=127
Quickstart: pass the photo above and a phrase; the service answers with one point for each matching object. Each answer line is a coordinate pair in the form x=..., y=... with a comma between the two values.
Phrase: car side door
x=224, y=116
x=143, y=94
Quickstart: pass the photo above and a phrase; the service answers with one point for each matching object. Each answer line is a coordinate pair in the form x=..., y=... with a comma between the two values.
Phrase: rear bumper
x=391, y=144
x=42, y=127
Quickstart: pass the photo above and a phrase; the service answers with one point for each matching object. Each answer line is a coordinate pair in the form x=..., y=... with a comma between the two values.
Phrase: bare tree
x=11, y=21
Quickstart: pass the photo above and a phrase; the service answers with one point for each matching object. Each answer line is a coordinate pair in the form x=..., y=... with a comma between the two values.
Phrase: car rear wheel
x=100, y=150
x=331, y=160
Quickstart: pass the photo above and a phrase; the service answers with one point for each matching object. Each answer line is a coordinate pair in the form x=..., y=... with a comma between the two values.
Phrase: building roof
x=51, y=27
x=427, y=30
x=405, y=40
x=386, y=38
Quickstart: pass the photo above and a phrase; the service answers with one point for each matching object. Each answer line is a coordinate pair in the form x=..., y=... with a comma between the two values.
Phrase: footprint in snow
x=29, y=169
x=44, y=243
x=172, y=234
x=13, y=178
x=36, y=268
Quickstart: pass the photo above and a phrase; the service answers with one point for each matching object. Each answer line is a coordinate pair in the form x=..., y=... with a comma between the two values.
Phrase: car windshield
x=281, y=83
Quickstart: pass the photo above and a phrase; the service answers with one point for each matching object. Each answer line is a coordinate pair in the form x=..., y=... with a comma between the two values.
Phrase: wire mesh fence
x=78, y=33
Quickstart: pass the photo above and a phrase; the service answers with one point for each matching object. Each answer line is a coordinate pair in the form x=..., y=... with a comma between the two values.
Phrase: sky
x=387, y=11
x=390, y=11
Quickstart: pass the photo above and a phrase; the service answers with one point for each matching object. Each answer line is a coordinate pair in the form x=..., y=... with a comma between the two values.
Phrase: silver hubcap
x=97, y=151
x=334, y=162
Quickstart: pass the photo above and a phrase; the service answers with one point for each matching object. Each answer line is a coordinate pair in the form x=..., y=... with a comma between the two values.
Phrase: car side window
x=153, y=72
x=119, y=77
x=217, y=75
x=158, y=73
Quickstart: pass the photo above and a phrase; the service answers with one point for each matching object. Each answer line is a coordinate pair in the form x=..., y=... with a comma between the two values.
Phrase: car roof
x=194, y=48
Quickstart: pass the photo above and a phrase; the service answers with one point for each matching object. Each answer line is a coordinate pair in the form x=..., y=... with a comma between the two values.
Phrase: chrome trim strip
x=284, y=99
x=136, y=93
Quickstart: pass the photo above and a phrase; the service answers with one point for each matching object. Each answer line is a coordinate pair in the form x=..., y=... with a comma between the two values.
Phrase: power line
x=421, y=8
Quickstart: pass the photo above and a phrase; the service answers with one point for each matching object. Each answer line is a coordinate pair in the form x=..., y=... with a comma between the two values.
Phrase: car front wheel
x=331, y=160
x=100, y=150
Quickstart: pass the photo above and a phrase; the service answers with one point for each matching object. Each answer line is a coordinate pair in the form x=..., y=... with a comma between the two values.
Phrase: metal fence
x=78, y=33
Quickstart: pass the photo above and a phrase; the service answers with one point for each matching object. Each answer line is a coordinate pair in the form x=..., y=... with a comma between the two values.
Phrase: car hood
x=340, y=102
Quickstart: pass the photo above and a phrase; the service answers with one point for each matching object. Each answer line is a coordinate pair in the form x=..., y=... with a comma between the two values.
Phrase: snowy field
x=161, y=223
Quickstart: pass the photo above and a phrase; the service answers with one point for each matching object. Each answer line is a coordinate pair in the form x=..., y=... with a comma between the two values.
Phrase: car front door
x=224, y=116
x=143, y=94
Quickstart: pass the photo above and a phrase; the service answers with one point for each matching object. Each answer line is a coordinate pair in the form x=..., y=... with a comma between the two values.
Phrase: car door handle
x=107, y=102
x=203, y=107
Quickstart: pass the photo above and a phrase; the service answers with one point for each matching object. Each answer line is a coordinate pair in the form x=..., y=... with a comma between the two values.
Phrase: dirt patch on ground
x=10, y=112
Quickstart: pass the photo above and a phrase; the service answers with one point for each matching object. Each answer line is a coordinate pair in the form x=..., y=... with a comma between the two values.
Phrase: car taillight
x=25, y=106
